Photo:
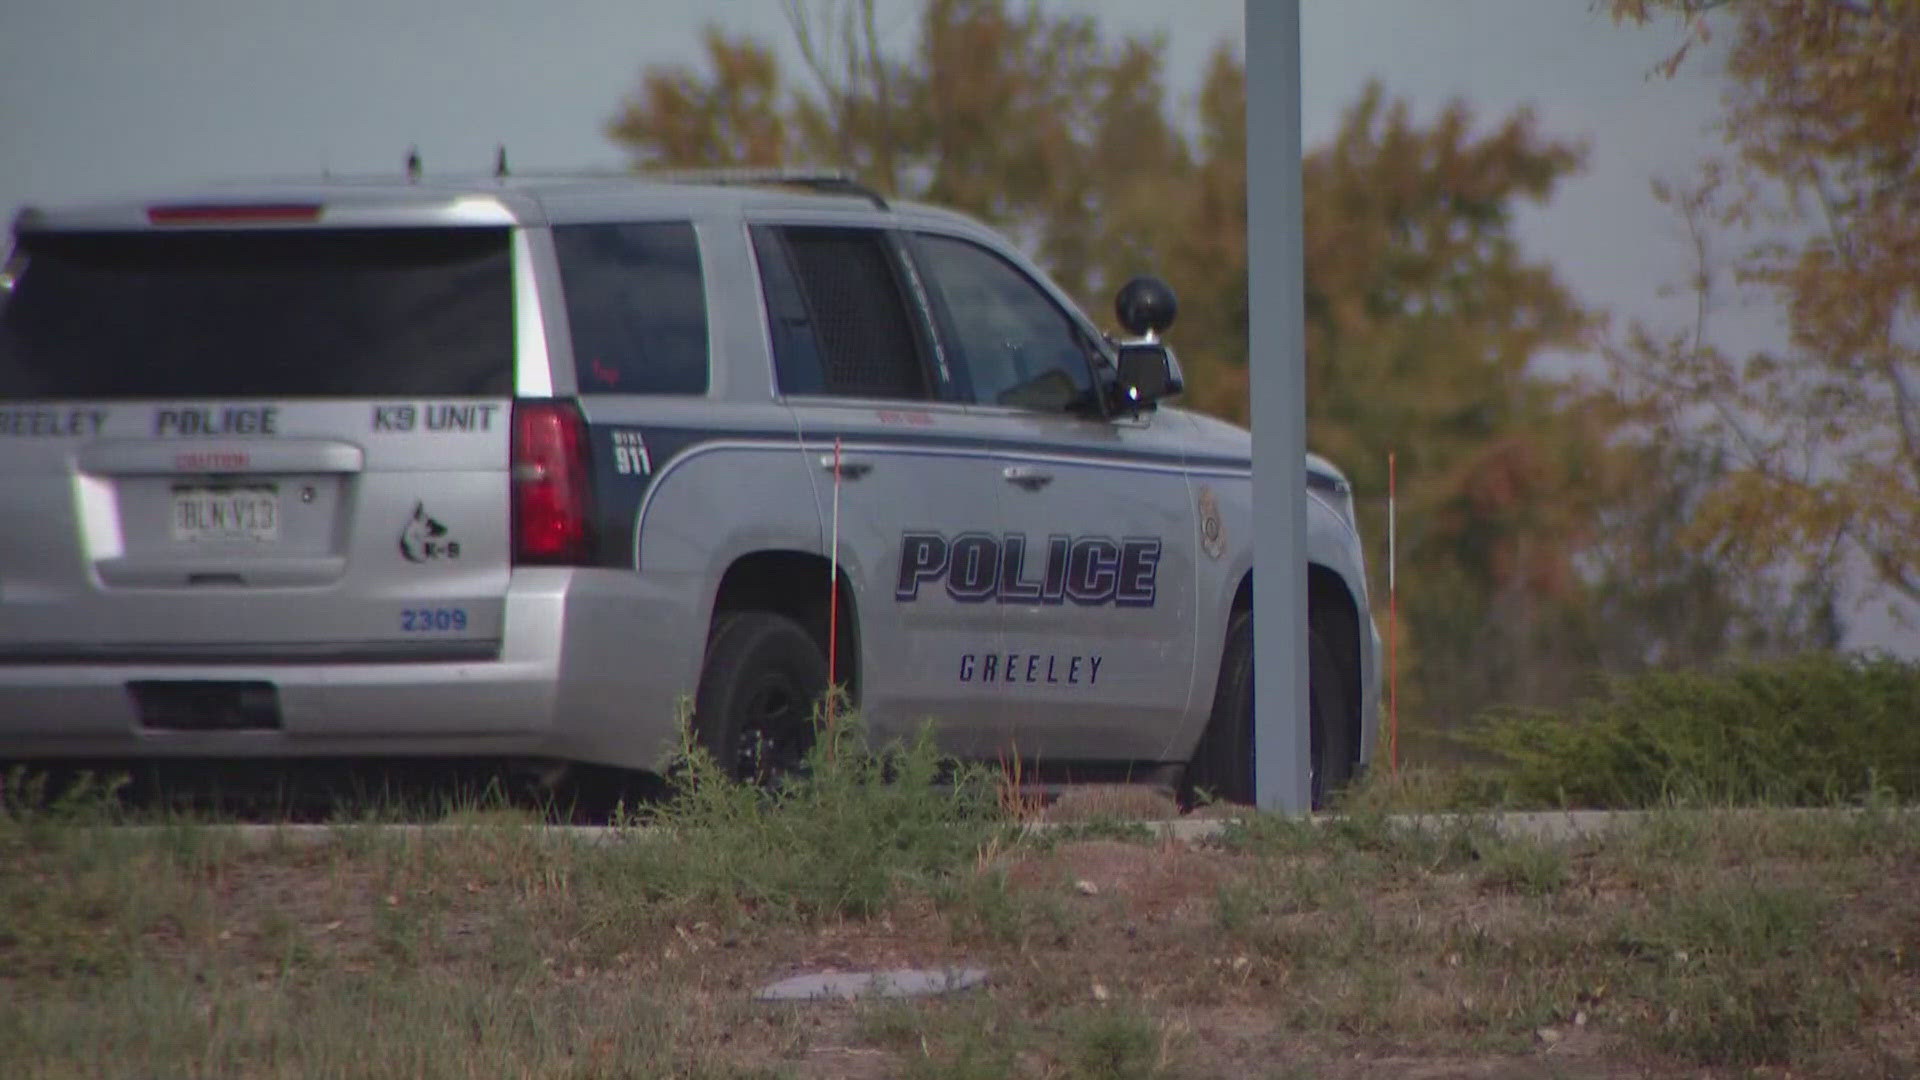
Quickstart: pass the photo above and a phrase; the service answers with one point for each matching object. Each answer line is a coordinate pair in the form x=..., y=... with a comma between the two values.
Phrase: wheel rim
x=776, y=719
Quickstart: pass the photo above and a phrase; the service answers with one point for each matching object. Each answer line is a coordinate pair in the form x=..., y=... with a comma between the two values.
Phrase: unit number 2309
x=429, y=620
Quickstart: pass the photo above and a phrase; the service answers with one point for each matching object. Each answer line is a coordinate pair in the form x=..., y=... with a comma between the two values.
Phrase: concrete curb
x=1546, y=825
x=1550, y=826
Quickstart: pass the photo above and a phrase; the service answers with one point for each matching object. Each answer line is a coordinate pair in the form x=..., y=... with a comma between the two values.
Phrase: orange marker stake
x=833, y=589
x=1393, y=620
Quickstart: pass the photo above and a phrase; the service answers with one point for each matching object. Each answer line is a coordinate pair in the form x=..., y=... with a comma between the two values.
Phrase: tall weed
x=839, y=838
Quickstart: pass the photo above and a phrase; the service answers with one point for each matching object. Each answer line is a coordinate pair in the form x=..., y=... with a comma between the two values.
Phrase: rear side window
x=838, y=318
x=260, y=314
x=636, y=306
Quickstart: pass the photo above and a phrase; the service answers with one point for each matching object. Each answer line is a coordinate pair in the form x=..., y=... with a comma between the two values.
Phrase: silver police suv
x=516, y=468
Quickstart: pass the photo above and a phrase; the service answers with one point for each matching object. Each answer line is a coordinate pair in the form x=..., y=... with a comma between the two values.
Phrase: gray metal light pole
x=1276, y=285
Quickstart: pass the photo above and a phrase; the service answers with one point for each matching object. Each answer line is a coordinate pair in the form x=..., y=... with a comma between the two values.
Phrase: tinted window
x=1017, y=346
x=838, y=319
x=316, y=313
x=636, y=305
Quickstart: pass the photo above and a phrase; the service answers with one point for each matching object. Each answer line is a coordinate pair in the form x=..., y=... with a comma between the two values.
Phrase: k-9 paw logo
x=423, y=539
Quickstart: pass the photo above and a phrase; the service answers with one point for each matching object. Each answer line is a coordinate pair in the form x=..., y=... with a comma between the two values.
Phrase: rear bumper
x=565, y=685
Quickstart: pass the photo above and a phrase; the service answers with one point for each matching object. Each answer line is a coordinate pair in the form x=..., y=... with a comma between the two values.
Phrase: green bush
x=1726, y=978
x=1117, y=1043
x=1817, y=730
x=838, y=839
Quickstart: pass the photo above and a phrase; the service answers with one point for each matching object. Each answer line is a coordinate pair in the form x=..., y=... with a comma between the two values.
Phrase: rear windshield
x=259, y=314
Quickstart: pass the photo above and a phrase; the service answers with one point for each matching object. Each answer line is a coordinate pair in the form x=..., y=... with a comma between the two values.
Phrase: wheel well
x=791, y=583
x=1331, y=611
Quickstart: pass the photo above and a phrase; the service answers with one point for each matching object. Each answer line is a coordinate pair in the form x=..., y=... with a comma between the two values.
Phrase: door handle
x=1027, y=477
x=849, y=469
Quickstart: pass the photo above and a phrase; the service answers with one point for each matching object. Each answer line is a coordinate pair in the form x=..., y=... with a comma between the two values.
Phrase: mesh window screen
x=866, y=341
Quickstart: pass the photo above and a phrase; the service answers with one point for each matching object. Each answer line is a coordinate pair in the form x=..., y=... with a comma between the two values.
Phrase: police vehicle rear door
x=919, y=510
x=1097, y=604
x=258, y=431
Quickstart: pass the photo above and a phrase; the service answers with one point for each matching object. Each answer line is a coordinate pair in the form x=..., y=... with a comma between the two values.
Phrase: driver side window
x=1019, y=348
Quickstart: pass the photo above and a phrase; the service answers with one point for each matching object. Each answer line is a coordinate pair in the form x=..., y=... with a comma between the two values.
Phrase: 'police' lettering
x=923, y=557
x=249, y=420
x=1053, y=588
x=1014, y=588
x=975, y=563
x=1139, y=566
x=1093, y=570
x=977, y=567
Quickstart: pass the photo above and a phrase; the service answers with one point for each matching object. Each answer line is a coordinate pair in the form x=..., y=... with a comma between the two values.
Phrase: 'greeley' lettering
x=51, y=423
x=1067, y=670
x=233, y=420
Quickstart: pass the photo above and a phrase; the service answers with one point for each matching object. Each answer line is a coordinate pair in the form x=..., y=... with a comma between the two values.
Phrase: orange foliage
x=1822, y=199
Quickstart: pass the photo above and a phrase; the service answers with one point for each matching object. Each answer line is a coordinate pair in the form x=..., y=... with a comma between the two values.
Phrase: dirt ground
x=1686, y=948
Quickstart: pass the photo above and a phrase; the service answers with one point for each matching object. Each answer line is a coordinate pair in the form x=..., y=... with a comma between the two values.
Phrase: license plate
x=202, y=514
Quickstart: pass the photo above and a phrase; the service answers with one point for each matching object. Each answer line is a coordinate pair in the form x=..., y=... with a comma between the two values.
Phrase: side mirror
x=1148, y=372
x=1146, y=306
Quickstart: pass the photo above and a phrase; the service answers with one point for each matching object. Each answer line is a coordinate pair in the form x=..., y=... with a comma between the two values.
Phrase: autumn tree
x=1025, y=118
x=1425, y=322
x=736, y=115
x=1815, y=206
x=1658, y=602
x=1425, y=319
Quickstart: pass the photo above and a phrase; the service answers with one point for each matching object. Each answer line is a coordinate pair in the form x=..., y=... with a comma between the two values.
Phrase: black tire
x=1334, y=754
x=763, y=680
x=1222, y=763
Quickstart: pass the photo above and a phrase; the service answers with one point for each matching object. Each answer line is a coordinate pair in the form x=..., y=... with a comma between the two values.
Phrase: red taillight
x=243, y=214
x=552, y=492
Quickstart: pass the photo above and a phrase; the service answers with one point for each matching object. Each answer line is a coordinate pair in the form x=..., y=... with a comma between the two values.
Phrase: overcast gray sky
x=106, y=96
x=109, y=96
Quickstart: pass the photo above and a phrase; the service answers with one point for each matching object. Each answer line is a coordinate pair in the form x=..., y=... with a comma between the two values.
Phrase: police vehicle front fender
x=1332, y=546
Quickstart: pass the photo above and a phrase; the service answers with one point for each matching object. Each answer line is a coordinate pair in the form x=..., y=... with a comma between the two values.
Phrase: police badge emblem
x=1213, y=535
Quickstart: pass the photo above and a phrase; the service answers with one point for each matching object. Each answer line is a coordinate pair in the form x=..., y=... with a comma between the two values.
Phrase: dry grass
x=1111, y=803
x=1692, y=945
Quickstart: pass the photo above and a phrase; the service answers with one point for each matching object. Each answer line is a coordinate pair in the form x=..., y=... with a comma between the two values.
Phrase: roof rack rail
x=825, y=182
x=830, y=183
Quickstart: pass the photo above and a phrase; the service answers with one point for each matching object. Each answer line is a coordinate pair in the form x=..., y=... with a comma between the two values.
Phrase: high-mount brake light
x=242, y=214
x=552, y=491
